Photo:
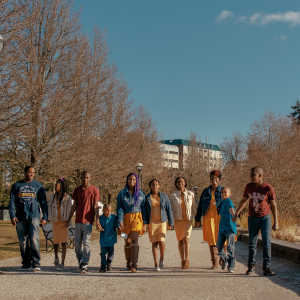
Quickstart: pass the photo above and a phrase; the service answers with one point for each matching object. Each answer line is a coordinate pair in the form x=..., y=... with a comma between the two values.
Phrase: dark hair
x=257, y=169
x=178, y=179
x=152, y=180
x=64, y=188
x=106, y=205
x=27, y=168
x=215, y=173
x=86, y=172
x=136, y=187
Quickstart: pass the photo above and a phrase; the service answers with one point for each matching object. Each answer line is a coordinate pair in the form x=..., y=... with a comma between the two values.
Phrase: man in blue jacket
x=27, y=197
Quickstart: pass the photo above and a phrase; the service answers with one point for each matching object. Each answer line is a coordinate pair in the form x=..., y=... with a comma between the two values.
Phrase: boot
x=135, y=256
x=214, y=256
x=128, y=257
x=185, y=264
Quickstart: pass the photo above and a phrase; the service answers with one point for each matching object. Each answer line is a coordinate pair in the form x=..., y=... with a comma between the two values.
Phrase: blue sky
x=210, y=67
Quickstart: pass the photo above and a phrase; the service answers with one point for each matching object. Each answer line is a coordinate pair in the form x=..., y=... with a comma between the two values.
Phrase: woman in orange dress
x=59, y=208
x=184, y=210
x=209, y=208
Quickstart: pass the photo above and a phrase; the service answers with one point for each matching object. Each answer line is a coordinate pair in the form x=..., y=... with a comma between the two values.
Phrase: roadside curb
x=283, y=249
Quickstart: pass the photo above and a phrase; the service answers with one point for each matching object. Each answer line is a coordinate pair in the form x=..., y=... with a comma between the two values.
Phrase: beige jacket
x=189, y=201
x=65, y=208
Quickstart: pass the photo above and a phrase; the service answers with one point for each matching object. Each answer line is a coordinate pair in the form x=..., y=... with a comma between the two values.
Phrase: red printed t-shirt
x=85, y=203
x=259, y=199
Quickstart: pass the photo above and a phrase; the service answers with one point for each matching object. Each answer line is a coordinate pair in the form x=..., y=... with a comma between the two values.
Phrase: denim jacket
x=205, y=202
x=108, y=237
x=125, y=203
x=165, y=206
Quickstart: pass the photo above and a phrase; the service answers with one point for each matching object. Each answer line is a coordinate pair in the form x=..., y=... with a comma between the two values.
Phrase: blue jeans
x=110, y=255
x=230, y=237
x=83, y=238
x=264, y=225
x=29, y=241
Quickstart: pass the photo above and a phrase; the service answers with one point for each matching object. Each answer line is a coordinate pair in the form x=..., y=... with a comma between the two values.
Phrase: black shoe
x=109, y=267
x=102, y=270
x=267, y=271
x=84, y=268
x=251, y=270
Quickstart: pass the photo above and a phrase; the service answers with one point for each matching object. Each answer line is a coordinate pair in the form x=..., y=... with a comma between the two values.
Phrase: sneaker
x=84, y=268
x=230, y=270
x=109, y=267
x=81, y=264
x=224, y=265
x=102, y=270
x=60, y=267
x=24, y=269
x=156, y=269
x=56, y=262
x=161, y=264
x=268, y=272
x=36, y=269
x=251, y=270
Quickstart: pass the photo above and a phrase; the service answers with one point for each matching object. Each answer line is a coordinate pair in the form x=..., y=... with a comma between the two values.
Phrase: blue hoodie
x=26, y=199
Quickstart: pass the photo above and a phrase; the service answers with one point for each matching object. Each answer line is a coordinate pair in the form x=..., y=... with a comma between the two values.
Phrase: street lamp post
x=1, y=43
x=139, y=168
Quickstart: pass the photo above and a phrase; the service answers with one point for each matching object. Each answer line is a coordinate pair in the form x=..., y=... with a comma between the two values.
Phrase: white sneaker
x=36, y=269
x=230, y=270
x=161, y=264
x=24, y=269
x=156, y=269
x=60, y=267
x=56, y=262
x=84, y=268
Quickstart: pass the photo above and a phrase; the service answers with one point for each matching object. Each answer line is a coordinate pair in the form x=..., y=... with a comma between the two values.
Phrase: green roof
x=187, y=143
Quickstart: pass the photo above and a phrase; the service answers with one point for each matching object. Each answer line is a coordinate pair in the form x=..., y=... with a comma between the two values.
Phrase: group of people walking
x=137, y=211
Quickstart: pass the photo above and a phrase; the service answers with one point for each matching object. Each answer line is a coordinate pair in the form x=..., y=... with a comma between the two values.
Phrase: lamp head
x=195, y=188
x=139, y=167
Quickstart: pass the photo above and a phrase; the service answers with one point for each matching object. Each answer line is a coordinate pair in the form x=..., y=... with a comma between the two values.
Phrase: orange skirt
x=183, y=228
x=157, y=232
x=133, y=222
x=60, y=235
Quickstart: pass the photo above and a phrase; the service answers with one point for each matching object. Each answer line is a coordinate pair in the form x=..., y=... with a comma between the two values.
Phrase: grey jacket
x=65, y=208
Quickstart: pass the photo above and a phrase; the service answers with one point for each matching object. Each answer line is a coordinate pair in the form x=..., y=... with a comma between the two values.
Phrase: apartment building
x=176, y=152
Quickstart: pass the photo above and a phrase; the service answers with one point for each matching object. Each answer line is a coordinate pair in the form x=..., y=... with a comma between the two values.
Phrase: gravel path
x=198, y=282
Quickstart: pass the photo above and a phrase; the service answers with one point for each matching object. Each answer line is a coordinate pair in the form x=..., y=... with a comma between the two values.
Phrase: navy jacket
x=108, y=237
x=125, y=203
x=165, y=206
x=26, y=199
x=204, y=202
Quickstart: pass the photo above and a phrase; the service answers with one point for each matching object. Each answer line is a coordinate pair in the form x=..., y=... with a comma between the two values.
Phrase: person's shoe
x=185, y=264
x=109, y=267
x=102, y=270
x=81, y=264
x=60, y=267
x=24, y=269
x=157, y=268
x=268, y=272
x=224, y=265
x=230, y=270
x=161, y=264
x=251, y=270
x=84, y=268
x=36, y=269
x=56, y=262
x=133, y=270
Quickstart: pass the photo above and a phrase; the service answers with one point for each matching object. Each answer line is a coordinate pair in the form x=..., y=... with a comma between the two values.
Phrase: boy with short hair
x=227, y=231
x=108, y=237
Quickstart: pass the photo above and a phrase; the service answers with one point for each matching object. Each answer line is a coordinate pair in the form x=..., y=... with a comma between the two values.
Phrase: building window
x=173, y=152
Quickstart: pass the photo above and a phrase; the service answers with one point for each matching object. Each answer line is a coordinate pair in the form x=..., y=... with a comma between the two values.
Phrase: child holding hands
x=227, y=231
x=108, y=237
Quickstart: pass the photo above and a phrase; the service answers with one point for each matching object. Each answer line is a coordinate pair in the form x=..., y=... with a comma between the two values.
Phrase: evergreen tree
x=295, y=115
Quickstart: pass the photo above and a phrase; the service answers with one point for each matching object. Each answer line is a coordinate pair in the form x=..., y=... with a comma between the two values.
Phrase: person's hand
x=121, y=227
x=169, y=227
x=43, y=222
x=275, y=226
x=14, y=221
x=197, y=224
x=145, y=228
x=67, y=224
x=233, y=219
x=99, y=227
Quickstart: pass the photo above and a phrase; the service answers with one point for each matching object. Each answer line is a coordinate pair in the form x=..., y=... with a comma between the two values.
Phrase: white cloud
x=241, y=19
x=280, y=38
x=291, y=17
x=224, y=15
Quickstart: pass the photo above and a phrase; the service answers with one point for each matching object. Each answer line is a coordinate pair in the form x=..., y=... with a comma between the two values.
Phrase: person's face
x=57, y=187
x=255, y=177
x=86, y=178
x=225, y=193
x=107, y=211
x=29, y=175
x=214, y=180
x=180, y=184
x=131, y=181
x=154, y=187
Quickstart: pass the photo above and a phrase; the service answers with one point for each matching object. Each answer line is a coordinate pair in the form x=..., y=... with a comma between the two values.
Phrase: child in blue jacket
x=108, y=237
x=227, y=231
